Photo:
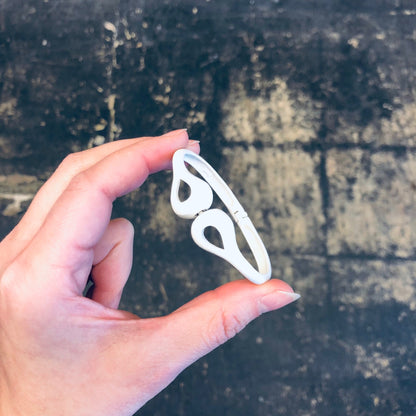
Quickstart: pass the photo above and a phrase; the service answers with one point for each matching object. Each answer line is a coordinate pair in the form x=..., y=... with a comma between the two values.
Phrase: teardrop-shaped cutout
x=215, y=218
x=184, y=191
x=213, y=236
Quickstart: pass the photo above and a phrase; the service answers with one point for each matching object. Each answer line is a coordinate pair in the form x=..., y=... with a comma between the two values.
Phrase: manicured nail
x=278, y=299
x=175, y=133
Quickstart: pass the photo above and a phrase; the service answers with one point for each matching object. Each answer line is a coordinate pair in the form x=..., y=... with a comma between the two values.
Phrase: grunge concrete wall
x=308, y=109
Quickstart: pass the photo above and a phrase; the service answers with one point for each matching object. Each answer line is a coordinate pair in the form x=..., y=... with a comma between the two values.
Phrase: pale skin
x=64, y=354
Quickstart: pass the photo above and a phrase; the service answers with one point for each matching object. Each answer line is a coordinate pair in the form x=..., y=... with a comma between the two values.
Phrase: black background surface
x=308, y=109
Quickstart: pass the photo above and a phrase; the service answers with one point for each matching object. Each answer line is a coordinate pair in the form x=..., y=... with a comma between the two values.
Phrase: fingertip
x=181, y=139
x=276, y=300
x=277, y=284
x=193, y=146
x=275, y=294
x=179, y=133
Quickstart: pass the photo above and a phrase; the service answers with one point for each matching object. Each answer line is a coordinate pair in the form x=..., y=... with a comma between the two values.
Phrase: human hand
x=62, y=353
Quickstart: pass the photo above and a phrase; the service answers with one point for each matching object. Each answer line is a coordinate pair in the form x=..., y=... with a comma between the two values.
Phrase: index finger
x=79, y=217
x=52, y=189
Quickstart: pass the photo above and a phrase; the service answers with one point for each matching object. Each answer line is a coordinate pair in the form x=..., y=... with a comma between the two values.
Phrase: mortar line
x=315, y=146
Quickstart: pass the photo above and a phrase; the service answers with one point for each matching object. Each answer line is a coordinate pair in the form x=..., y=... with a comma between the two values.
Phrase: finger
x=177, y=340
x=50, y=191
x=74, y=164
x=54, y=186
x=69, y=167
x=81, y=214
x=214, y=317
x=113, y=257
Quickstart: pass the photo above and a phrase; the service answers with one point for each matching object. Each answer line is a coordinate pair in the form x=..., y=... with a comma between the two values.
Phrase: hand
x=62, y=353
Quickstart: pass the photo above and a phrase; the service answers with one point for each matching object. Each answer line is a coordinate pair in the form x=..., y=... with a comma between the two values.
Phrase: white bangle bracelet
x=197, y=206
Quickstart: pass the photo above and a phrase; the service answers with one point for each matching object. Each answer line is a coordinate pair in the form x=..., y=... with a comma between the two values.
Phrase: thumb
x=216, y=316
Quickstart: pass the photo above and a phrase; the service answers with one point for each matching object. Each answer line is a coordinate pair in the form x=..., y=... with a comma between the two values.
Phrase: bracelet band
x=197, y=207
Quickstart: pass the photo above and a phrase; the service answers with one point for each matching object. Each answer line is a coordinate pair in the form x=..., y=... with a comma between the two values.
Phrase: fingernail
x=278, y=299
x=175, y=133
x=193, y=142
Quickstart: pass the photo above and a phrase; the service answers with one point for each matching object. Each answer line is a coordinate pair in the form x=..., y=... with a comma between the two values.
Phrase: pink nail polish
x=277, y=299
x=175, y=133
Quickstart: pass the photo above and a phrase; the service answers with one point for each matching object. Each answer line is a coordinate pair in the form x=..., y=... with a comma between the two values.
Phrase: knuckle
x=231, y=324
x=80, y=181
x=70, y=162
x=224, y=326
x=69, y=169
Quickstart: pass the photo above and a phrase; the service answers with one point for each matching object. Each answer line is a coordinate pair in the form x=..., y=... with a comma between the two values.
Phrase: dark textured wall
x=308, y=109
